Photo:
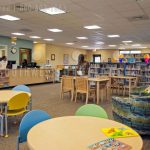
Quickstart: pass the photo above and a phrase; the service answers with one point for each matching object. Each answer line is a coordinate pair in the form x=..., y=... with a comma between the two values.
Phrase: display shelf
x=140, y=70
x=69, y=70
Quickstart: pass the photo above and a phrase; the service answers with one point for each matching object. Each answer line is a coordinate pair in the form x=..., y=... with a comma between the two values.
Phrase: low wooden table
x=97, y=81
x=74, y=133
x=125, y=77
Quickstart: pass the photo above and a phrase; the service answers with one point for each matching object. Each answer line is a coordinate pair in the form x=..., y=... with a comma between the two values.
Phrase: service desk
x=28, y=76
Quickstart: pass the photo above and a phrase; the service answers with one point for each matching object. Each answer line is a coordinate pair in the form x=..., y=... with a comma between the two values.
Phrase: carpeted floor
x=47, y=97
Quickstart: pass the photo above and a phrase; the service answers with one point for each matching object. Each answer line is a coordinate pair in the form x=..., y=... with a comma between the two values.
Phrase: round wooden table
x=73, y=133
x=6, y=95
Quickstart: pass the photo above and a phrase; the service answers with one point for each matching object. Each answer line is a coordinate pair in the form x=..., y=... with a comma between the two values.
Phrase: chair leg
x=76, y=97
x=2, y=123
x=6, y=122
x=71, y=95
x=30, y=106
x=124, y=91
x=62, y=95
x=17, y=144
x=87, y=97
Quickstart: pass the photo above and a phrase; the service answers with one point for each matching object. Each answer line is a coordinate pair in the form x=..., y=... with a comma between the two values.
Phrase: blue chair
x=28, y=121
x=24, y=88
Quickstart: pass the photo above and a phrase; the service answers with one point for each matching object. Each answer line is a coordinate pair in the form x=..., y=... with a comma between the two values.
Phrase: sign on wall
x=66, y=59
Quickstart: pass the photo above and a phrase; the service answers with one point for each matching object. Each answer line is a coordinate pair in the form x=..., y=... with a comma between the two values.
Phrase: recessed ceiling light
x=127, y=41
x=69, y=43
x=100, y=43
x=48, y=39
x=35, y=37
x=52, y=11
x=85, y=46
x=10, y=18
x=35, y=42
x=92, y=27
x=113, y=36
x=55, y=30
x=112, y=45
x=17, y=33
x=82, y=38
x=143, y=47
x=136, y=45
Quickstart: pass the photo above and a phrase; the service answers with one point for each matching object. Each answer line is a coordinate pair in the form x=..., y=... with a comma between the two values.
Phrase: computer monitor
x=10, y=63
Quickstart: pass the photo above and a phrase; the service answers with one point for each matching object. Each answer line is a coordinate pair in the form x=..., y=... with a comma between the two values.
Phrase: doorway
x=25, y=53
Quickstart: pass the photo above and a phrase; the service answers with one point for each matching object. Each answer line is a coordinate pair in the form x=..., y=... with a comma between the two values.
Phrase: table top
x=6, y=95
x=73, y=133
x=92, y=79
x=123, y=77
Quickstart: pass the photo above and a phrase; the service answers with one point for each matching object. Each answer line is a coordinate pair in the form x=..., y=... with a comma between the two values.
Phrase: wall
x=20, y=44
x=42, y=53
x=105, y=54
x=39, y=53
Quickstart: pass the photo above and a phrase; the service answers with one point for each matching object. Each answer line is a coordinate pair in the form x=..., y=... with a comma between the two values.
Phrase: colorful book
x=109, y=144
x=119, y=132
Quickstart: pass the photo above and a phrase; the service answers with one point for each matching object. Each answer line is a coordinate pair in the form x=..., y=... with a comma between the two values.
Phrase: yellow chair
x=17, y=105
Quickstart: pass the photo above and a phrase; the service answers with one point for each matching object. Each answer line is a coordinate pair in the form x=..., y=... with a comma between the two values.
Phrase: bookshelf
x=140, y=70
x=69, y=70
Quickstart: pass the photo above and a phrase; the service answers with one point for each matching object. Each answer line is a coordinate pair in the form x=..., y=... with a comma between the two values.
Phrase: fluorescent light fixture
x=92, y=27
x=143, y=47
x=82, y=38
x=100, y=43
x=136, y=45
x=17, y=33
x=35, y=37
x=135, y=52
x=10, y=18
x=113, y=36
x=127, y=41
x=52, y=11
x=124, y=52
x=55, y=30
x=48, y=39
x=85, y=46
x=112, y=45
x=35, y=42
x=69, y=43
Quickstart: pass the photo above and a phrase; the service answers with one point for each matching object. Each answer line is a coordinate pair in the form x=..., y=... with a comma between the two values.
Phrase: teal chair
x=28, y=121
x=24, y=88
x=91, y=110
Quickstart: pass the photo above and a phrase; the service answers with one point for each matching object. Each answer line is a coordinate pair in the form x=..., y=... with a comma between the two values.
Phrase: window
x=96, y=58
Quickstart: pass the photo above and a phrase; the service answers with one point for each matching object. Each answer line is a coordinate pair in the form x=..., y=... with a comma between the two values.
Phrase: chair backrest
x=67, y=82
x=18, y=101
x=81, y=84
x=22, y=88
x=91, y=110
x=29, y=120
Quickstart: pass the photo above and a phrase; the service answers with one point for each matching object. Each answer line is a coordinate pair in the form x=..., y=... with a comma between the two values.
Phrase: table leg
x=97, y=92
x=129, y=87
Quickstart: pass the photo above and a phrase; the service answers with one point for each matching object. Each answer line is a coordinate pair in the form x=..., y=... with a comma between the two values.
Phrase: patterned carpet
x=47, y=97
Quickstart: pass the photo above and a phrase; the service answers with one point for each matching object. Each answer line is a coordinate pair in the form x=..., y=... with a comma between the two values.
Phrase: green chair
x=91, y=110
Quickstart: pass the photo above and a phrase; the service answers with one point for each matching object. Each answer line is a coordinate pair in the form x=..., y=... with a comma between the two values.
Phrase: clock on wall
x=13, y=50
x=75, y=55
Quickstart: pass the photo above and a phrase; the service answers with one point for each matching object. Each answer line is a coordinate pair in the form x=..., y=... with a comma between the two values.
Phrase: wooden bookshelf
x=140, y=70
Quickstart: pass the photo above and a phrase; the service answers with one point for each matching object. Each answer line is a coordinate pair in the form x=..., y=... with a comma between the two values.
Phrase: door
x=25, y=54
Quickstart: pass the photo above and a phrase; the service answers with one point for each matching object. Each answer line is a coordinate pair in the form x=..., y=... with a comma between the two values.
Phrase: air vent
x=23, y=8
x=25, y=30
x=139, y=18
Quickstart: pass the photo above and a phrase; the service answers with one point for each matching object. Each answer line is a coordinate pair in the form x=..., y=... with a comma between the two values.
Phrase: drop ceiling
x=113, y=16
